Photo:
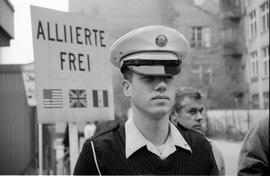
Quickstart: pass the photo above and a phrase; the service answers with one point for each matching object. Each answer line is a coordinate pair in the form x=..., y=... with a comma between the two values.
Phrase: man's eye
x=148, y=78
x=168, y=78
x=201, y=110
x=192, y=112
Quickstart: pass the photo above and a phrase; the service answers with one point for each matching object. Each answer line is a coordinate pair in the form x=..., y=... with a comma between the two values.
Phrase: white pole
x=73, y=145
x=40, y=153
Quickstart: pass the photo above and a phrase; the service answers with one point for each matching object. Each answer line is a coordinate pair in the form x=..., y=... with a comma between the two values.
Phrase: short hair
x=183, y=92
x=127, y=74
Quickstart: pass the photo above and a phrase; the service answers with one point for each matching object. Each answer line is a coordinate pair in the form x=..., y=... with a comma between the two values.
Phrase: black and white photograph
x=134, y=87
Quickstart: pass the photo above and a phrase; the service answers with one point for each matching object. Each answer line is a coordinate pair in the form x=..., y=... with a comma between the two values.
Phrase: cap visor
x=156, y=70
x=160, y=70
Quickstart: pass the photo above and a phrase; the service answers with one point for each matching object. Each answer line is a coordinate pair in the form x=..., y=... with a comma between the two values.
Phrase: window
x=265, y=62
x=253, y=24
x=202, y=73
x=254, y=66
x=237, y=3
x=207, y=74
x=264, y=10
x=266, y=100
x=206, y=37
x=196, y=71
x=255, y=101
x=200, y=37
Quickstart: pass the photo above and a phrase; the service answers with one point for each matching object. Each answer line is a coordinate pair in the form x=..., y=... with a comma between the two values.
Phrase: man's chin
x=198, y=129
x=161, y=111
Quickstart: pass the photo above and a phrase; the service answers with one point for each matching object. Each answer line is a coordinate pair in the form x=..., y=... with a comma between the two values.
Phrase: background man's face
x=191, y=113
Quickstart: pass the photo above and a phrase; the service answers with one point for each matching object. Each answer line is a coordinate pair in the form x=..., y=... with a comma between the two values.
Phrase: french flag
x=100, y=98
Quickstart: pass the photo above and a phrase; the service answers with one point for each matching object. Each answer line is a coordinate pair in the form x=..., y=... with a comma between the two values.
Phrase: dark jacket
x=254, y=154
x=110, y=155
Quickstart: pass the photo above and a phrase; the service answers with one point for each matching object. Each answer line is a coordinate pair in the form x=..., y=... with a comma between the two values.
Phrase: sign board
x=28, y=76
x=72, y=66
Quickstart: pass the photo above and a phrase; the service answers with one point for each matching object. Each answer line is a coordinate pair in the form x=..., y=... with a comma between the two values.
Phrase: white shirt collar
x=135, y=140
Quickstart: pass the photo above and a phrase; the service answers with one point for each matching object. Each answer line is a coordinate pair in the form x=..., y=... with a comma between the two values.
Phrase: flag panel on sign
x=52, y=98
x=100, y=98
x=77, y=98
x=105, y=98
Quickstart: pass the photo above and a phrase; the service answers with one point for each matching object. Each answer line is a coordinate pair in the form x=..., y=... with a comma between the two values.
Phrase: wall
x=260, y=84
x=121, y=16
x=17, y=127
x=187, y=16
x=232, y=124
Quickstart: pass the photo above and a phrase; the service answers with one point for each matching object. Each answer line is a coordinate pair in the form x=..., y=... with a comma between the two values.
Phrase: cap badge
x=161, y=40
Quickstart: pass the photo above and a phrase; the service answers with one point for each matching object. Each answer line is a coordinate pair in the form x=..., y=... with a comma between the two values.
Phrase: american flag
x=77, y=98
x=52, y=98
x=100, y=98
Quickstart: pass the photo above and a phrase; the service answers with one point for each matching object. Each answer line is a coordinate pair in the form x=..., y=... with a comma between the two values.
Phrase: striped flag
x=100, y=98
x=52, y=98
x=77, y=98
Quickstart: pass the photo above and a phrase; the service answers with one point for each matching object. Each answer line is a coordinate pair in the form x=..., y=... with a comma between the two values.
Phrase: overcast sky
x=21, y=49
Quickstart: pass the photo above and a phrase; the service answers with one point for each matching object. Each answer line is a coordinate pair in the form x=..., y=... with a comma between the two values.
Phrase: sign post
x=74, y=147
x=40, y=151
x=72, y=70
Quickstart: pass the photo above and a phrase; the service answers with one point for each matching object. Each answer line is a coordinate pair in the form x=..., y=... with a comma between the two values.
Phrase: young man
x=189, y=112
x=148, y=143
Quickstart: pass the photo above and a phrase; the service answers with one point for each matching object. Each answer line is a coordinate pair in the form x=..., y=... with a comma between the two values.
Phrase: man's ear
x=126, y=87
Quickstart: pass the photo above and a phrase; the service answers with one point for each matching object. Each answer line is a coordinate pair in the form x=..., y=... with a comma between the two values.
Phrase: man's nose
x=161, y=86
x=199, y=116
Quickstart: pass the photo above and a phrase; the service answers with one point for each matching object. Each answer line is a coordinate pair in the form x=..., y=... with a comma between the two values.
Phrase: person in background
x=254, y=154
x=89, y=129
x=66, y=158
x=189, y=111
x=148, y=144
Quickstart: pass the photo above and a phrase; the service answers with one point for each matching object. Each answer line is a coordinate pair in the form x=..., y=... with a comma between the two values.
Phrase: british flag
x=77, y=98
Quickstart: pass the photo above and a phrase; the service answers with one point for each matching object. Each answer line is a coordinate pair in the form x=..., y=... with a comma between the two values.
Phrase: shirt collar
x=178, y=139
x=135, y=140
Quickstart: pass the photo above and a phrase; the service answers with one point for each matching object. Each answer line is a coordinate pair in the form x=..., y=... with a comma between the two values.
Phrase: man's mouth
x=158, y=97
x=197, y=127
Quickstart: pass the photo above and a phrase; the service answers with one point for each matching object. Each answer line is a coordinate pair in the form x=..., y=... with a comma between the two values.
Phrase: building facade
x=6, y=22
x=205, y=67
x=18, y=132
x=18, y=121
x=234, y=50
x=257, y=61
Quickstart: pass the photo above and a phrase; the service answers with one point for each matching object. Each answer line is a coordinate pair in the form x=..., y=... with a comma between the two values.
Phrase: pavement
x=230, y=151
